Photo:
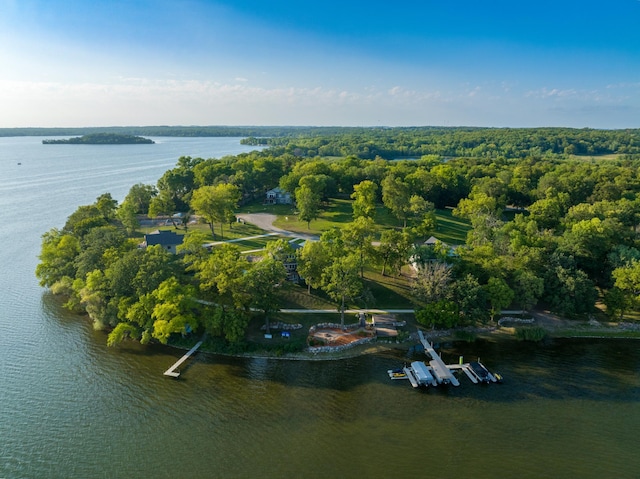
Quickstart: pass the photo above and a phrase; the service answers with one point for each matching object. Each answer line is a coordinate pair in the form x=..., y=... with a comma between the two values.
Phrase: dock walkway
x=172, y=370
x=442, y=372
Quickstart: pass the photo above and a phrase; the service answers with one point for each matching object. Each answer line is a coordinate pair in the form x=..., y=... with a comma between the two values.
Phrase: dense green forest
x=547, y=228
x=452, y=142
x=392, y=143
x=101, y=139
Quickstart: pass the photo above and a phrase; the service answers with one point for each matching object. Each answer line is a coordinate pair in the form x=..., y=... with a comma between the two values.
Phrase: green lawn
x=450, y=229
x=338, y=212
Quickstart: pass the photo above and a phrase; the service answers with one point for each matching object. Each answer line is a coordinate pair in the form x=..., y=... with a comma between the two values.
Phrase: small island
x=101, y=139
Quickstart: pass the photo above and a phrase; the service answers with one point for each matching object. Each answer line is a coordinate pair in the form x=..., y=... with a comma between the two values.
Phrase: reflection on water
x=73, y=408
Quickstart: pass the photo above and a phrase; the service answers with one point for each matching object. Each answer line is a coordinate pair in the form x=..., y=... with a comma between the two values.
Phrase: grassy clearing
x=450, y=229
x=339, y=212
x=390, y=292
x=612, y=156
x=297, y=297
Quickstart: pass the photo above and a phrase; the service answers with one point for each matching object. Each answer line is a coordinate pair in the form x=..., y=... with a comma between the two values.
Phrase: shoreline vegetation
x=102, y=139
x=484, y=220
x=573, y=330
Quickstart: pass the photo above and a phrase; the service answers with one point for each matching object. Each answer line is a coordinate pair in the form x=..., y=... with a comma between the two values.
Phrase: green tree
x=500, y=295
x=216, y=203
x=174, y=309
x=342, y=282
x=364, y=199
x=263, y=283
x=393, y=249
x=527, y=288
x=107, y=206
x=442, y=313
x=470, y=297
x=357, y=237
x=222, y=276
x=57, y=257
x=617, y=302
x=126, y=213
x=193, y=249
x=431, y=282
x=312, y=261
x=308, y=204
x=162, y=205
x=396, y=196
x=140, y=196
x=568, y=289
x=627, y=284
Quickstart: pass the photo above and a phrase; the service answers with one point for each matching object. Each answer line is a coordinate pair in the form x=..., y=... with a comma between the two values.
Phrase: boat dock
x=172, y=370
x=441, y=372
x=466, y=369
x=437, y=372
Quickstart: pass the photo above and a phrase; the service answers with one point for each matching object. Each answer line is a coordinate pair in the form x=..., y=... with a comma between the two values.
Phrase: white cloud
x=144, y=101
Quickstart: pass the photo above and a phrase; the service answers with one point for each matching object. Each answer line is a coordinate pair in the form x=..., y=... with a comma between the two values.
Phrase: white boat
x=422, y=374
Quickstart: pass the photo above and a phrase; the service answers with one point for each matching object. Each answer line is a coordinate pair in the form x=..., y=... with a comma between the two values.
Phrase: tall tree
x=432, y=281
x=162, y=204
x=393, y=250
x=396, y=196
x=126, y=213
x=57, y=257
x=364, y=199
x=342, y=282
x=357, y=237
x=312, y=261
x=264, y=282
x=221, y=275
x=500, y=295
x=216, y=203
x=140, y=196
x=308, y=204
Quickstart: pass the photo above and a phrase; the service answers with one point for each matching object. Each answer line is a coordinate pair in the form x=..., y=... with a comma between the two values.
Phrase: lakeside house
x=167, y=239
x=278, y=196
x=432, y=250
x=291, y=263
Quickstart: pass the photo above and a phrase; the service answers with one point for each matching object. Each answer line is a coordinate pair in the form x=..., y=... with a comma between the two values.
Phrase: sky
x=73, y=63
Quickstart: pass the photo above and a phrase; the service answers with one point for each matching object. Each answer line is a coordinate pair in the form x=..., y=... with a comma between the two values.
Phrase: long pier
x=442, y=373
x=172, y=370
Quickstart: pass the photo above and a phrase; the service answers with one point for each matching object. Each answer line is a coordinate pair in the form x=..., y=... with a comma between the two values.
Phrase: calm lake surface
x=72, y=408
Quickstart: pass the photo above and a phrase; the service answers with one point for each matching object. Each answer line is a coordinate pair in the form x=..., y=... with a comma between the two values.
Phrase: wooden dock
x=172, y=370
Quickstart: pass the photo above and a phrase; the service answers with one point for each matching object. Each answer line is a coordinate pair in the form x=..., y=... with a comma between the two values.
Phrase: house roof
x=163, y=238
x=431, y=240
x=278, y=190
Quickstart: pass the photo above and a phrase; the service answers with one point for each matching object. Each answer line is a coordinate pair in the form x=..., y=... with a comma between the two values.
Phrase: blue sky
x=354, y=63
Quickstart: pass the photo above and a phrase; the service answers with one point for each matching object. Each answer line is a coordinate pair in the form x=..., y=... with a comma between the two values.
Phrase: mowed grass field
x=338, y=212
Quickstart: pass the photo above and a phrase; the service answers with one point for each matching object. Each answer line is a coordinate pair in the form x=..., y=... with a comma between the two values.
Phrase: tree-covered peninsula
x=102, y=139
x=549, y=228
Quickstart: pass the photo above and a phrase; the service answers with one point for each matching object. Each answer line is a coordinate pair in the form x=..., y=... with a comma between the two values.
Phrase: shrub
x=531, y=334
x=467, y=336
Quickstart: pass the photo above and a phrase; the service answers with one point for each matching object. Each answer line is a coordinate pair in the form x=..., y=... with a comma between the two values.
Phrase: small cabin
x=167, y=239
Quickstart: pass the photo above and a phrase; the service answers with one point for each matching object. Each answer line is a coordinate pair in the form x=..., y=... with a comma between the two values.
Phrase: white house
x=278, y=196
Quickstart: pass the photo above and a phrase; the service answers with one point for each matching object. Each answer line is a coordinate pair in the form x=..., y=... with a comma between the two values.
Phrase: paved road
x=265, y=222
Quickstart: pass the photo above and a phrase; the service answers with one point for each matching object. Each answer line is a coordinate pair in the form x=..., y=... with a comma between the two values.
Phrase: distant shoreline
x=102, y=139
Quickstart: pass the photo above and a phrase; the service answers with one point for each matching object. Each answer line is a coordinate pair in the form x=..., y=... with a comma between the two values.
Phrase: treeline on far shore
x=393, y=143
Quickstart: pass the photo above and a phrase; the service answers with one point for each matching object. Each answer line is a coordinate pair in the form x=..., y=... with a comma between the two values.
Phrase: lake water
x=72, y=408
